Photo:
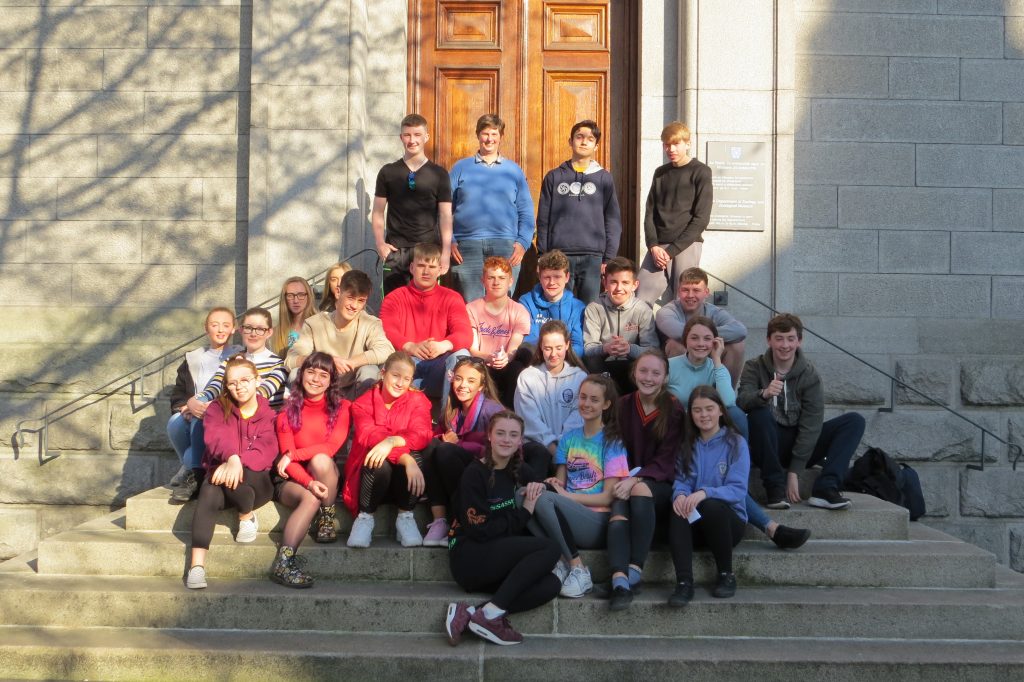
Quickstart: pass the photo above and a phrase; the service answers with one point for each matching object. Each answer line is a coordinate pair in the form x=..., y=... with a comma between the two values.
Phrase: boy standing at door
x=417, y=194
x=678, y=210
x=579, y=213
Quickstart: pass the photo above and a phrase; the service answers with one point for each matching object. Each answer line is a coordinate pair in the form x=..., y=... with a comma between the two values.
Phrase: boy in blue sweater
x=579, y=213
x=492, y=210
x=551, y=300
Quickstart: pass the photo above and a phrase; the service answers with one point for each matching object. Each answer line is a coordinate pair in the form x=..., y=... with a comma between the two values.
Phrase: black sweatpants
x=718, y=529
x=253, y=492
x=386, y=483
x=516, y=569
x=443, y=464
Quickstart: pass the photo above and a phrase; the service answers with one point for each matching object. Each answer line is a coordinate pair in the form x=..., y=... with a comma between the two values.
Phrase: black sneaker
x=830, y=499
x=725, y=587
x=790, y=538
x=620, y=599
x=776, y=499
x=188, y=490
x=682, y=595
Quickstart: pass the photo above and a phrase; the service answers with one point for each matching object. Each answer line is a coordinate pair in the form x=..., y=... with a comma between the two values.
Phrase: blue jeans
x=470, y=272
x=756, y=516
x=771, y=449
x=187, y=439
x=585, y=277
x=432, y=376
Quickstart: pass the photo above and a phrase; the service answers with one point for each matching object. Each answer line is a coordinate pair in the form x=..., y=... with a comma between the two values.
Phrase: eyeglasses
x=301, y=296
x=242, y=383
x=412, y=180
x=258, y=331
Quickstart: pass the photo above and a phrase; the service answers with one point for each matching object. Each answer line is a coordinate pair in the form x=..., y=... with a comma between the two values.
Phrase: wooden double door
x=539, y=65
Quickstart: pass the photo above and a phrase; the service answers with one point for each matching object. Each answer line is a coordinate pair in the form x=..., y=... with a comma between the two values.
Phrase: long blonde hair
x=285, y=319
x=327, y=301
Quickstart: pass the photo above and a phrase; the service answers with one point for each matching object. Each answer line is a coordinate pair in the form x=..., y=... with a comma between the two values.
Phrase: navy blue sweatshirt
x=579, y=212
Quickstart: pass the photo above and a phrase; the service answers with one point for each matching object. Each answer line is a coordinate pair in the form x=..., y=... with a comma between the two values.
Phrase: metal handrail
x=893, y=382
x=131, y=377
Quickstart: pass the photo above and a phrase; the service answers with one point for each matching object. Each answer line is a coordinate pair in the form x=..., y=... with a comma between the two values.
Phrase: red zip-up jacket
x=409, y=417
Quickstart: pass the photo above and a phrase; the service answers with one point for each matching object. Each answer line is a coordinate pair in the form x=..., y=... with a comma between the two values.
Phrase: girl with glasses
x=295, y=305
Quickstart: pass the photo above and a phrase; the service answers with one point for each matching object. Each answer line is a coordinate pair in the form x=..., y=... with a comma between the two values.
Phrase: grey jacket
x=801, y=403
x=671, y=319
x=634, y=321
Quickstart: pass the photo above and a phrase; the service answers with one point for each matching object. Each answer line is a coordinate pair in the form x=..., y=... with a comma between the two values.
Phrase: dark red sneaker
x=497, y=630
x=456, y=621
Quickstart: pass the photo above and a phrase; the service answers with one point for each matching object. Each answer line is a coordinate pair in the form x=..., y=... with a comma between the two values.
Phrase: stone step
x=144, y=654
x=103, y=547
x=407, y=607
x=869, y=519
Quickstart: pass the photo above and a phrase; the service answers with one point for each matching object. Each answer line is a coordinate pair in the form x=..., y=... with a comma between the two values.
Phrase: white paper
x=694, y=516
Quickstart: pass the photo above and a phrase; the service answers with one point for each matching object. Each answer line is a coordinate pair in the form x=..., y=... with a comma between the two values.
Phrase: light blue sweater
x=491, y=201
x=720, y=468
x=684, y=376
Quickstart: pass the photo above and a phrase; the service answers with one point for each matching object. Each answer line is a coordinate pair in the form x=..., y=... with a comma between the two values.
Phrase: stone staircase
x=870, y=596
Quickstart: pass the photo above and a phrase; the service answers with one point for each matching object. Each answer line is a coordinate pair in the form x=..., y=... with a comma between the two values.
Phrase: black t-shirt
x=412, y=213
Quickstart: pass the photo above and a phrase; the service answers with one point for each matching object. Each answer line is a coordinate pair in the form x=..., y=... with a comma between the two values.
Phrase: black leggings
x=253, y=492
x=517, y=570
x=719, y=529
x=386, y=483
x=538, y=458
x=443, y=464
x=629, y=541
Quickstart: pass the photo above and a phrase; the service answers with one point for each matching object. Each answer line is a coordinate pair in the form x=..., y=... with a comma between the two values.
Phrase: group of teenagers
x=532, y=428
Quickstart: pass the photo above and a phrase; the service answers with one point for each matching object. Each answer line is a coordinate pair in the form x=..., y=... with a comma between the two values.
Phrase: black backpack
x=878, y=474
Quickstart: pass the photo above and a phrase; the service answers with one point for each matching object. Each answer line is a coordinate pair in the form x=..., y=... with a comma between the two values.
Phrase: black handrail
x=894, y=381
x=132, y=376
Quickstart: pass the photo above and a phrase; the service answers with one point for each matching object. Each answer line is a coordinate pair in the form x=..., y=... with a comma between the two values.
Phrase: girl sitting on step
x=295, y=305
x=311, y=429
x=391, y=425
x=332, y=285
x=546, y=395
x=709, y=494
x=459, y=439
x=240, y=448
x=589, y=462
x=487, y=551
x=651, y=421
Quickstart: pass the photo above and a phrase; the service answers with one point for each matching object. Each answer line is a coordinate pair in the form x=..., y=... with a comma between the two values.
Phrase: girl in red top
x=391, y=426
x=240, y=449
x=311, y=428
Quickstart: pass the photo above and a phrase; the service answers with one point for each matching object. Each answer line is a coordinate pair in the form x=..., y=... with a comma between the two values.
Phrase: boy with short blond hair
x=428, y=321
x=578, y=212
x=550, y=299
x=618, y=326
x=417, y=194
x=678, y=210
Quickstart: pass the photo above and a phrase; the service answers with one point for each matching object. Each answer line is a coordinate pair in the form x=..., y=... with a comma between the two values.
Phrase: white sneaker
x=561, y=570
x=247, y=529
x=408, y=533
x=196, y=579
x=179, y=477
x=362, y=531
x=578, y=583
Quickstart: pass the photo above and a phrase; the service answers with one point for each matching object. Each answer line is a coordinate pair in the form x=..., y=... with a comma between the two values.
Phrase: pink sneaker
x=437, y=534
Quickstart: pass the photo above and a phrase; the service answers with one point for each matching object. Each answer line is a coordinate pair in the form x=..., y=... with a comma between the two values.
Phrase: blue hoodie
x=568, y=309
x=720, y=468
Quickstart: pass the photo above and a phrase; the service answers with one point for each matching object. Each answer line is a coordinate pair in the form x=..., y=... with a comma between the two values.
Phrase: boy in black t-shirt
x=678, y=210
x=418, y=196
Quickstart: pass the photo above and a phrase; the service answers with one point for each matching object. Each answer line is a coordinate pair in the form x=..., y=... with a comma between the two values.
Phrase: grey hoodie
x=801, y=403
x=633, y=320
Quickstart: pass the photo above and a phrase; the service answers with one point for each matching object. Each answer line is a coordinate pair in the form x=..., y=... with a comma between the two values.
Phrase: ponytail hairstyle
x=517, y=458
x=297, y=392
x=555, y=327
x=454, y=406
x=664, y=400
x=397, y=356
x=610, y=417
x=226, y=400
x=691, y=432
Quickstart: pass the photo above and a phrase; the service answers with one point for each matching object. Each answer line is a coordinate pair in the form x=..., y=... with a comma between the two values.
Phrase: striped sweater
x=272, y=378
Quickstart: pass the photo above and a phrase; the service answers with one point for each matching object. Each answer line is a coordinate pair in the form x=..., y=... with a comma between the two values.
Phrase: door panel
x=541, y=66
